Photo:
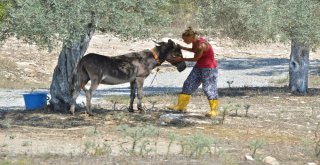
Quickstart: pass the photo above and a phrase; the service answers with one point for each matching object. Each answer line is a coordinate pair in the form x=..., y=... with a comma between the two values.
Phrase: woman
x=204, y=72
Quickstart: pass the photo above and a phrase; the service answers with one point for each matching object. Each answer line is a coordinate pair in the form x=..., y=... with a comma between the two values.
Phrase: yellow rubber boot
x=214, y=105
x=183, y=101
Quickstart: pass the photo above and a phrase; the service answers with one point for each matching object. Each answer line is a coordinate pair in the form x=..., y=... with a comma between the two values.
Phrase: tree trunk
x=61, y=80
x=299, y=67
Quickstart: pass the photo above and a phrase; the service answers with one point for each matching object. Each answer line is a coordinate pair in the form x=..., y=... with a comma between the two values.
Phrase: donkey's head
x=168, y=51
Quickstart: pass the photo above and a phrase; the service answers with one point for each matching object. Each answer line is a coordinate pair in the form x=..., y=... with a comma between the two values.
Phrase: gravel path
x=243, y=72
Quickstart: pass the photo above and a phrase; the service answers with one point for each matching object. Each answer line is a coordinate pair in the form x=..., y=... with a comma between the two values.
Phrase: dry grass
x=314, y=81
x=8, y=70
x=24, y=66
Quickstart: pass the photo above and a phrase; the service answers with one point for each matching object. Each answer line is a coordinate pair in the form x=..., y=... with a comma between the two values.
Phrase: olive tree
x=70, y=24
x=295, y=21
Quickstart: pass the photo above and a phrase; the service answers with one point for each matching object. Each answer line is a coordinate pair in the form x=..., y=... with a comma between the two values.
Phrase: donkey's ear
x=171, y=43
x=156, y=42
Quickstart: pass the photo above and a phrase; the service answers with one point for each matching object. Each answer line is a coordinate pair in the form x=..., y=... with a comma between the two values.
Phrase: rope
x=158, y=69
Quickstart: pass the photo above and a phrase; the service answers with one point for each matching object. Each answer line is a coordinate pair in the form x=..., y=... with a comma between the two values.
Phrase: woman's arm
x=197, y=54
x=185, y=48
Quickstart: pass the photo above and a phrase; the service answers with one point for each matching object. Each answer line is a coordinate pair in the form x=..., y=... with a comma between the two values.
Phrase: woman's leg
x=193, y=81
x=209, y=77
x=209, y=84
x=190, y=85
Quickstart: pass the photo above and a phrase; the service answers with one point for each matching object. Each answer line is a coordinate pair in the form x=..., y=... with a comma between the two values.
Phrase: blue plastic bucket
x=35, y=100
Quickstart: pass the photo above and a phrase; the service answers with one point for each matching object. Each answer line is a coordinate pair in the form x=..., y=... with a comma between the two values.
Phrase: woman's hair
x=189, y=32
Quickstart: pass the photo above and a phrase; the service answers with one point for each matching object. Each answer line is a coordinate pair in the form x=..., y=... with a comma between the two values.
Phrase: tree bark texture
x=299, y=67
x=62, y=76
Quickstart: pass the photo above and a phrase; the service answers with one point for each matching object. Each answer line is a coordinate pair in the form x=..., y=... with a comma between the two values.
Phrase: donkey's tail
x=76, y=76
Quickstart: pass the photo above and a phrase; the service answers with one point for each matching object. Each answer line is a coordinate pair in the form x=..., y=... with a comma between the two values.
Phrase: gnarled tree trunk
x=299, y=67
x=62, y=76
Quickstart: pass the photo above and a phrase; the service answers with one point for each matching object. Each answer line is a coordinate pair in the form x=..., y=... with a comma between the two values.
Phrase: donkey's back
x=110, y=70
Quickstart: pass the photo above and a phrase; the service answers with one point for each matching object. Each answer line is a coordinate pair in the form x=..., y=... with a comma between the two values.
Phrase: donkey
x=132, y=67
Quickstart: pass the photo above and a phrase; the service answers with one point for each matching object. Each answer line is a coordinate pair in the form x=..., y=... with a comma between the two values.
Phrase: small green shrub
x=103, y=150
x=26, y=143
x=5, y=123
x=225, y=111
x=255, y=145
x=196, y=146
x=317, y=141
x=247, y=107
x=138, y=135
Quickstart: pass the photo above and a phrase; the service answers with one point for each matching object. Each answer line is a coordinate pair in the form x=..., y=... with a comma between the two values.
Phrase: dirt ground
x=262, y=122
x=285, y=125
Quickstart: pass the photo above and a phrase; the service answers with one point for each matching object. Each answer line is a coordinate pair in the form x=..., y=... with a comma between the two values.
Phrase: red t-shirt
x=207, y=59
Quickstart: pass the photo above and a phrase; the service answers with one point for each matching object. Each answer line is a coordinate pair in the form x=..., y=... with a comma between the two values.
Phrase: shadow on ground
x=223, y=92
x=273, y=66
x=47, y=119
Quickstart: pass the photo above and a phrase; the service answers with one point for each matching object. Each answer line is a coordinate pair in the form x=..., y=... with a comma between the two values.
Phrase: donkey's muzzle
x=181, y=66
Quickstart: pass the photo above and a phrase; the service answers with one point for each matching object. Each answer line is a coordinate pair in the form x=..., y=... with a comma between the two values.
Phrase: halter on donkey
x=132, y=67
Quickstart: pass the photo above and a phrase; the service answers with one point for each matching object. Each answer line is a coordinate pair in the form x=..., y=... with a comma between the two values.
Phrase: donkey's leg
x=139, y=81
x=133, y=86
x=89, y=93
x=74, y=97
x=78, y=85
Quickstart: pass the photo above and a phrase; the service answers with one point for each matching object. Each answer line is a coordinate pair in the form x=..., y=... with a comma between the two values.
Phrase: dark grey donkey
x=132, y=67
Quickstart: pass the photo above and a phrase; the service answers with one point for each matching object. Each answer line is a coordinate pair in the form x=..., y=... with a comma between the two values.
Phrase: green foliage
x=135, y=18
x=5, y=5
x=299, y=20
x=317, y=141
x=5, y=123
x=48, y=23
x=93, y=149
x=262, y=20
x=3, y=162
x=172, y=138
x=138, y=136
x=255, y=145
x=2, y=11
x=183, y=12
x=196, y=146
x=26, y=143
x=225, y=111
x=247, y=107
x=242, y=20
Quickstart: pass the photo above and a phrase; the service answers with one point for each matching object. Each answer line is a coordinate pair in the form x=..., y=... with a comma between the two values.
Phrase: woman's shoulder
x=203, y=43
x=202, y=39
x=200, y=43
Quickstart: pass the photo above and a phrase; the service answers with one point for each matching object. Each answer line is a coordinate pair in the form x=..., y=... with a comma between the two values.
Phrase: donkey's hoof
x=131, y=110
